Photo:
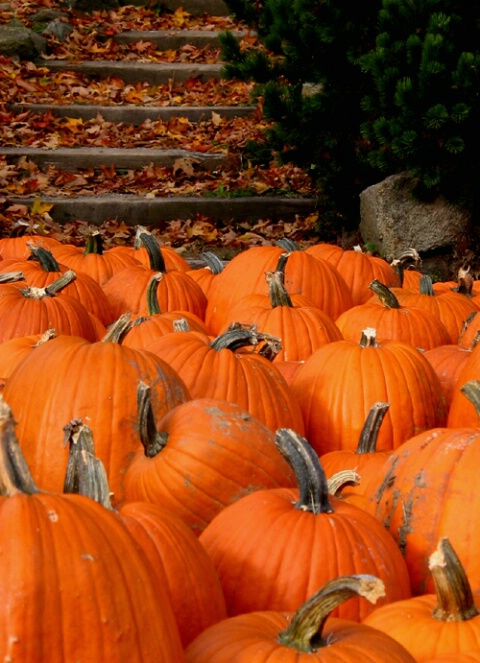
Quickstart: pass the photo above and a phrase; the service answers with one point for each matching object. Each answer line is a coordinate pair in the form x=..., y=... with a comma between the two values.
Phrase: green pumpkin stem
x=368, y=437
x=287, y=244
x=152, y=440
x=212, y=261
x=311, y=479
x=240, y=336
x=426, y=286
x=145, y=238
x=15, y=475
x=276, y=285
x=85, y=474
x=44, y=257
x=304, y=632
x=153, y=307
x=386, y=296
x=454, y=595
x=94, y=243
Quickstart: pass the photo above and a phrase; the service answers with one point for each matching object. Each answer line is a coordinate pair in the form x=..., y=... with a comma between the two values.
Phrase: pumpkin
x=14, y=350
x=301, y=326
x=71, y=378
x=445, y=622
x=315, y=279
x=41, y=269
x=448, y=362
x=393, y=321
x=28, y=310
x=205, y=276
x=17, y=247
x=304, y=636
x=100, y=265
x=178, y=559
x=171, y=258
x=202, y=456
x=292, y=540
x=126, y=290
x=421, y=496
x=146, y=328
x=358, y=269
x=223, y=368
x=74, y=584
x=338, y=384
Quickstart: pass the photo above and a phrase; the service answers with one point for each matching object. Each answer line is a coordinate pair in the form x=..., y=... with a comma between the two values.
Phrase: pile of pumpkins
x=264, y=460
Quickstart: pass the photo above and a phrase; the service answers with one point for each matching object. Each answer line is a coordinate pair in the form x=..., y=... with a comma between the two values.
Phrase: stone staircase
x=140, y=209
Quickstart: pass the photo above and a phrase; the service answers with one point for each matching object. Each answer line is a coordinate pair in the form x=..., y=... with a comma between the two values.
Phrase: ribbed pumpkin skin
x=183, y=566
x=253, y=638
x=462, y=412
x=411, y=623
x=126, y=291
x=315, y=279
x=83, y=288
x=22, y=316
x=75, y=587
x=247, y=379
x=358, y=269
x=100, y=266
x=422, y=496
x=153, y=326
x=339, y=383
x=420, y=328
x=302, y=328
x=281, y=555
x=13, y=351
x=17, y=247
x=448, y=362
x=215, y=454
x=69, y=378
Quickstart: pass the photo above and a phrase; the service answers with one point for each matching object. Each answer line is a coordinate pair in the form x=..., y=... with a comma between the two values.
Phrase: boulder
x=393, y=220
x=21, y=42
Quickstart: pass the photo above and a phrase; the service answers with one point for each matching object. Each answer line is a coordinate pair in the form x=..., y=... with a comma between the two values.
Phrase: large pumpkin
x=338, y=384
x=292, y=540
x=71, y=378
x=74, y=585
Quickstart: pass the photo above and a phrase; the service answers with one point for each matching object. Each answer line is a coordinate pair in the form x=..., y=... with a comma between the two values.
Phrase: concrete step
x=134, y=72
x=135, y=210
x=132, y=114
x=75, y=158
x=174, y=39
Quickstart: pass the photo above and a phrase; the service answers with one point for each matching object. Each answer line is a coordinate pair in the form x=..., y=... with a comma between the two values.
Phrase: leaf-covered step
x=75, y=158
x=137, y=72
x=175, y=39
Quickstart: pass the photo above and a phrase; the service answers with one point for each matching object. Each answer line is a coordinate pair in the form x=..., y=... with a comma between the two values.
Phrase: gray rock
x=59, y=29
x=393, y=220
x=21, y=42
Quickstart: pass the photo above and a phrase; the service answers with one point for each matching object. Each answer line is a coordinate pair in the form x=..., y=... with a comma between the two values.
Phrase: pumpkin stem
x=12, y=277
x=287, y=244
x=368, y=437
x=304, y=632
x=407, y=258
x=240, y=336
x=368, y=338
x=153, y=441
x=311, y=479
x=472, y=391
x=119, y=329
x=276, y=284
x=340, y=479
x=454, y=595
x=212, y=261
x=181, y=325
x=94, y=243
x=51, y=290
x=464, y=282
x=426, y=286
x=15, y=475
x=85, y=474
x=386, y=296
x=153, y=307
x=46, y=336
x=145, y=238
x=44, y=257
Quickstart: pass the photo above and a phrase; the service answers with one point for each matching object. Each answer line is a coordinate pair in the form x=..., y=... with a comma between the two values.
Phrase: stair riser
x=171, y=40
x=193, y=7
x=75, y=159
x=155, y=212
x=135, y=72
x=135, y=115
